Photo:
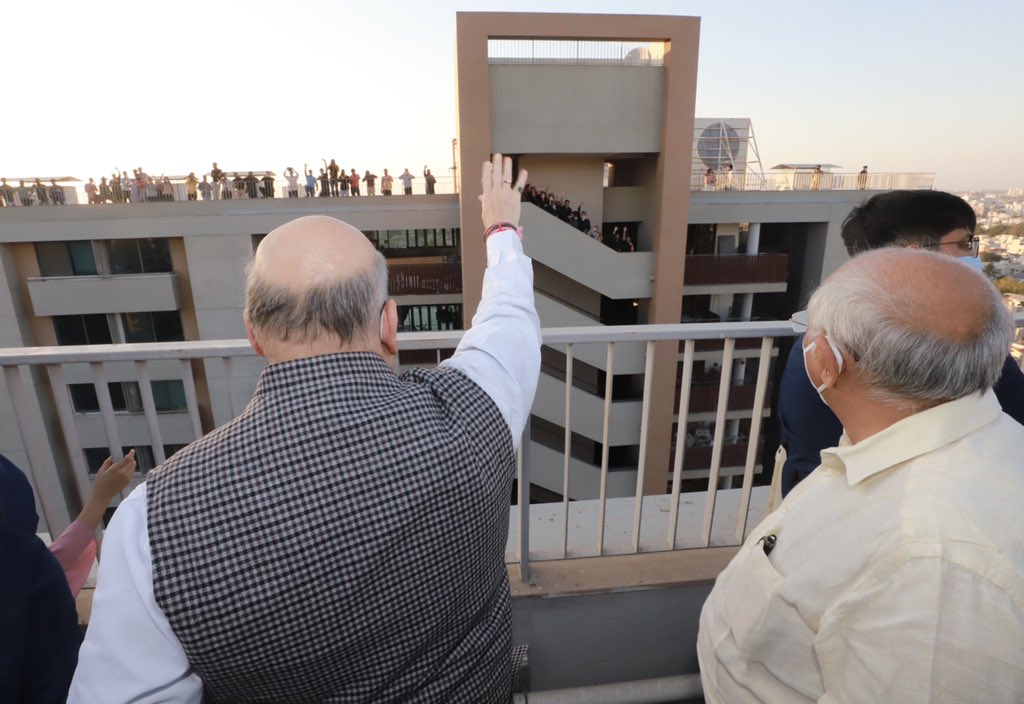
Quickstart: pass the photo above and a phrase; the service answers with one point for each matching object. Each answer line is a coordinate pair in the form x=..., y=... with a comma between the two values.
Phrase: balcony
x=72, y=295
x=424, y=279
x=806, y=181
x=716, y=269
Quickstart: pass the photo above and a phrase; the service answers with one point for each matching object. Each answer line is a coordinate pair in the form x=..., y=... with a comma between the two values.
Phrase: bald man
x=342, y=539
x=895, y=571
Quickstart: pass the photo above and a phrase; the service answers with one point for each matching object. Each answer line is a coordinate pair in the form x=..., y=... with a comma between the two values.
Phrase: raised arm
x=501, y=350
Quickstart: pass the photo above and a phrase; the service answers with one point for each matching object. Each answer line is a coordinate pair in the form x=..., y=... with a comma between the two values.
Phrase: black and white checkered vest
x=342, y=540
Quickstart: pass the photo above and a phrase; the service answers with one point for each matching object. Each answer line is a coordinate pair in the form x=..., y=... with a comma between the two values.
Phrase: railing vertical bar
x=69, y=429
x=645, y=415
x=523, y=462
x=191, y=401
x=99, y=382
x=47, y=485
x=603, y=492
x=567, y=449
x=229, y=384
x=149, y=408
x=760, y=391
x=725, y=383
x=677, y=465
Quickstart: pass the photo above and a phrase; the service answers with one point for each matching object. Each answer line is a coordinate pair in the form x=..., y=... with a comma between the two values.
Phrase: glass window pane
x=132, y=396
x=143, y=457
x=83, y=259
x=169, y=396
x=53, y=259
x=117, y=399
x=155, y=255
x=171, y=449
x=97, y=329
x=94, y=457
x=70, y=330
x=167, y=326
x=124, y=257
x=83, y=398
x=138, y=327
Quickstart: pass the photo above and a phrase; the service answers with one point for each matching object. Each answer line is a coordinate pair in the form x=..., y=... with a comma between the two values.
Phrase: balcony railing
x=424, y=279
x=575, y=52
x=669, y=521
x=714, y=269
x=588, y=528
x=808, y=181
x=76, y=195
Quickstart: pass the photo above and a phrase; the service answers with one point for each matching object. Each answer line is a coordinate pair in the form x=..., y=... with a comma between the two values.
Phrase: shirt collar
x=913, y=436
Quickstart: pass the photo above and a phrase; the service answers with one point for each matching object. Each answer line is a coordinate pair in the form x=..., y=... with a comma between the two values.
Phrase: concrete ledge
x=597, y=575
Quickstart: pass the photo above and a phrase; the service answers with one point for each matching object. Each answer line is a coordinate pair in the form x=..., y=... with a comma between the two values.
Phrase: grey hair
x=865, y=311
x=348, y=308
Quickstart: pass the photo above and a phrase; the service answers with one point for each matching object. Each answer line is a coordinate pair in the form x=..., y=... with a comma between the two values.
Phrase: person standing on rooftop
x=406, y=178
x=429, y=180
x=386, y=182
x=342, y=539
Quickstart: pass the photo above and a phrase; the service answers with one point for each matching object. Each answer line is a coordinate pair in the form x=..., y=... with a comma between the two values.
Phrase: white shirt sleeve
x=130, y=653
x=931, y=631
x=501, y=350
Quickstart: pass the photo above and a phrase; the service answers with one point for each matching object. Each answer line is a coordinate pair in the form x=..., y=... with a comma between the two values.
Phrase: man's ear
x=389, y=327
x=251, y=334
x=825, y=361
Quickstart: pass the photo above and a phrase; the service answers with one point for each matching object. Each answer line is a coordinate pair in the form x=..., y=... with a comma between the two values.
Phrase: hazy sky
x=922, y=85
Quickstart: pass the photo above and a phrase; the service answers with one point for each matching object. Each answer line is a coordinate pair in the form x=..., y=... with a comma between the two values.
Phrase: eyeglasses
x=968, y=246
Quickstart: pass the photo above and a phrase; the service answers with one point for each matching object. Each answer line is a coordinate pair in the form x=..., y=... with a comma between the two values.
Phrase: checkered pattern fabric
x=342, y=540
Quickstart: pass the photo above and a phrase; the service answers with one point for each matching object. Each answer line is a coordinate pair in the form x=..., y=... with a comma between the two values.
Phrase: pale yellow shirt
x=897, y=575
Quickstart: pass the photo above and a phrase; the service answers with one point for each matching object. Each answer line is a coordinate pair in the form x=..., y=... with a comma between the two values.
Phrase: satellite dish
x=641, y=56
x=718, y=145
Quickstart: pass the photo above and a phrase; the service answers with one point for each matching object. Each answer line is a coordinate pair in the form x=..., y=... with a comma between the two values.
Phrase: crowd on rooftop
x=618, y=239
x=216, y=184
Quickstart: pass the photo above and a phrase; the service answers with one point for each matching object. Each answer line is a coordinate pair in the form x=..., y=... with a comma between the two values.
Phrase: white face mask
x=839, y=362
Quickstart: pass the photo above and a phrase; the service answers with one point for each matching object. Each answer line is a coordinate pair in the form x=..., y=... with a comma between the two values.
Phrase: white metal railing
x=575, y=52
x=715, y=516
x=151, y=193
x=807, y=181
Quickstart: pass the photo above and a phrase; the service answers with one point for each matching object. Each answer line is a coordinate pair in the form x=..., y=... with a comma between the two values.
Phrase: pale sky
x=916, y=85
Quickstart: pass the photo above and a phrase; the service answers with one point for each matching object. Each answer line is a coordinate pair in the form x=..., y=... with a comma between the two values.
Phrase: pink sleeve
x=75, y=550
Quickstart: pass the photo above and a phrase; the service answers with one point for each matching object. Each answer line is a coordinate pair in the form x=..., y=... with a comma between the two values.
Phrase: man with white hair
x=895, y=572
x=343, y=539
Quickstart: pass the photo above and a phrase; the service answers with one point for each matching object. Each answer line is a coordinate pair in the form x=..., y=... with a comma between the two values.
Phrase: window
x=66, y=258
x=131, y=256
x=430, y=317
x=94, y=329
x=168, y=397
x=139, y=256
x=96, y=456
x=160, y=326
x=90, y=329
x=412, y=242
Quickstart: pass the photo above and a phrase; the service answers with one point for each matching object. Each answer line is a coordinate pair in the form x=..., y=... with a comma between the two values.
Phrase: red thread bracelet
x=503, y=226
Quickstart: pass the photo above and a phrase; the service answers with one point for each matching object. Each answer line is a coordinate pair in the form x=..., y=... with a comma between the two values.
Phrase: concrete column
x=753, y=237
